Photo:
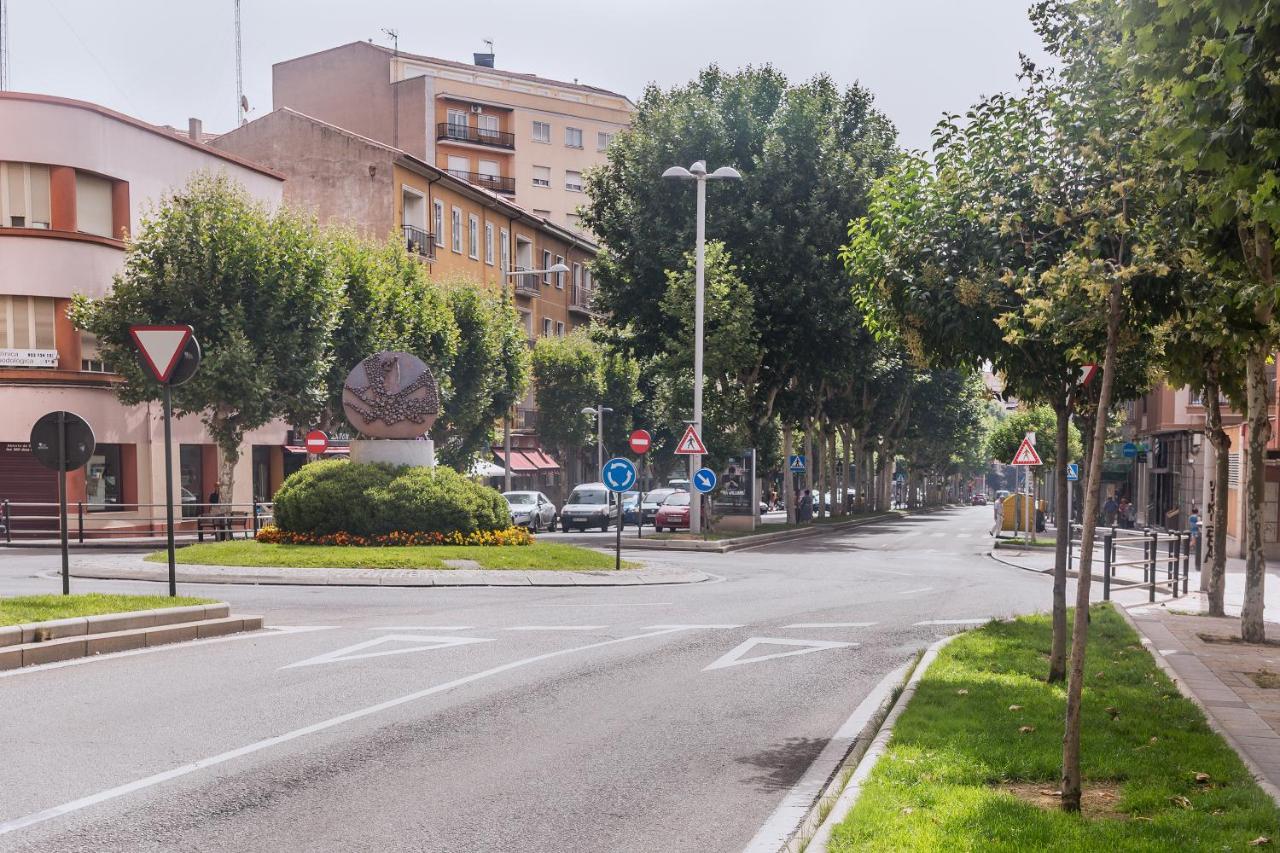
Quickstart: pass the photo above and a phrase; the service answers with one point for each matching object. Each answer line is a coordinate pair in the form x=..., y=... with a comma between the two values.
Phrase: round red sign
x=640, y=441
x=317, y=441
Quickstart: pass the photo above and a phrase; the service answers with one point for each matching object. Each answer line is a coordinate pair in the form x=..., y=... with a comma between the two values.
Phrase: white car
x=590, y=505
x=533, y=510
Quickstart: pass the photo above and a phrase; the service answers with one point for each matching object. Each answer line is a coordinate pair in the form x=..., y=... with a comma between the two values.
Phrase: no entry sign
x=317, y=441
x=640, y=441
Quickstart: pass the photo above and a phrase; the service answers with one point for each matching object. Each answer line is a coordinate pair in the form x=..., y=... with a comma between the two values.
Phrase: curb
x=1185, y=689
x=867, y=761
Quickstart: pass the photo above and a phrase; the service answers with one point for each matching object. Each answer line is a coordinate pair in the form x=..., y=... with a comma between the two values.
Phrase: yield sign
x=1026, y=454
x=161, y=347
x=691, y=443
x=734, y=657
x=361, y=650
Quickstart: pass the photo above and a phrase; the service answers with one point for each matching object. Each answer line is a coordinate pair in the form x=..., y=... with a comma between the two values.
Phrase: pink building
x=75, y=179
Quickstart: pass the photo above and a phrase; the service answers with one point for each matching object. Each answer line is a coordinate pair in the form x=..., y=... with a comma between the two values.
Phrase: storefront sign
x=28, y=358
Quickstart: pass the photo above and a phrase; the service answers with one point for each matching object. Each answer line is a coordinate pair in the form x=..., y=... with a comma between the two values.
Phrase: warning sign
x=691, y=443
x=1026, y=454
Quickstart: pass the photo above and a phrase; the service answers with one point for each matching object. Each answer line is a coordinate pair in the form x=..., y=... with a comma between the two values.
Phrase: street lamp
x=598, y=413
x=698, y=172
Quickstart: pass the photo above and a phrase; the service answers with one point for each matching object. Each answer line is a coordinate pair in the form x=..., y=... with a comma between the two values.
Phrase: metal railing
x=526, y=419
x=1144, y=551
x=475, y=135
x=26, y=521
x=419, y=241
x=497, y=183
x=580, y=299
x=527, y=283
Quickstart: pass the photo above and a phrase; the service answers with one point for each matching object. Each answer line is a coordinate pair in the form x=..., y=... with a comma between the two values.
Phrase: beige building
x=523, y=136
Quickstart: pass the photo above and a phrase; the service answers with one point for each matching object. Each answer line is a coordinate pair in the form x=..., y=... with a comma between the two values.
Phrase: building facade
x=74, y=181
x=525, y=137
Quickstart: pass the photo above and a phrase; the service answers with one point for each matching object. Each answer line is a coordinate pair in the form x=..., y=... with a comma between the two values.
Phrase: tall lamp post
x=698, y=172
x=598, y=412
x=506, y=418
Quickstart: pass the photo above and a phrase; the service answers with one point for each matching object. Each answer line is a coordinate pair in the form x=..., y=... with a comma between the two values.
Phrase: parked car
x=533, y=510
x=673, y=514
x=978, y=499
x=653, y=500
x=589, y=505
x=679, y=483
x=630, y=507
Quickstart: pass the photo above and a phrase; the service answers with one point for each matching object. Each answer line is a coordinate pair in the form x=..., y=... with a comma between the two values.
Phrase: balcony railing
x=496, y=183
x=419, y=242
x=527, y=283
x=475, y=135
x=526, y=419
x=581, y=298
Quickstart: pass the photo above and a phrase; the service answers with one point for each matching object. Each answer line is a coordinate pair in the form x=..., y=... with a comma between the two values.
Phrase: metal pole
x=617, y=545
x=80, y=521
x=1186, y=564
x=168, y=489
x=506, y=451
x=600, y=440
x=8, y=525
x=1108, y=552
x=1155, y=545
x=695, y=461
x=62, y=500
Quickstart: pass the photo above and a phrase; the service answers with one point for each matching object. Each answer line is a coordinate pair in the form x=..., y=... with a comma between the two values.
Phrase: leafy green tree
x=258, y=288
x=465, y=425
x=1004, y=439
x=567, y=377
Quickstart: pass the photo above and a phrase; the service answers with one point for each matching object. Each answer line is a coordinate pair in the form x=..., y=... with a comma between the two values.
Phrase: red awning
x=542, y=460
x=332, y=451
x=520, y=463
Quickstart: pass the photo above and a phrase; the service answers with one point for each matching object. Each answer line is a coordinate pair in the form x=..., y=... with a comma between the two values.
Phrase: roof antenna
x=242, y=104
x=394, y=35
x=5, y=80
x=485, y=60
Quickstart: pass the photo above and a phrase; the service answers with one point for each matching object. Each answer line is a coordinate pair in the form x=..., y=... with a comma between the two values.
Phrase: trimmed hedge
x=337, y=496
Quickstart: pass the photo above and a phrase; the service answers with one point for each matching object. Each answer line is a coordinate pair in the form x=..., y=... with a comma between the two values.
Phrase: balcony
x=475, y=135
x=526, y=283
x=419, y=242
x=526, y=419
x=581, y=299
x=495, y=183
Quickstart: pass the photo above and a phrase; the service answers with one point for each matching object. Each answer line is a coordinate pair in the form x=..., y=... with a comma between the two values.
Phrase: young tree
x=258, y=288
x=567, y=377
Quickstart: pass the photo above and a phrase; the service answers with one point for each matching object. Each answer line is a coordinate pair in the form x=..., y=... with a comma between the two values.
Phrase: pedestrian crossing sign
x=1073, y=471
x=1026, y=454
x=796, y=463
x=691, y=443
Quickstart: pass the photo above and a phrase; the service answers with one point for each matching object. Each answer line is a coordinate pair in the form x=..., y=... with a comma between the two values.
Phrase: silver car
x=533, y=510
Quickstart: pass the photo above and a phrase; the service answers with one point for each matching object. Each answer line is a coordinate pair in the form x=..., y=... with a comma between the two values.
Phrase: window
x=546, y=327
x=526, y=320
x=24, y=195
x=413, y=212
x=602, y=140
x=457, y=124
x=541, y=131
x=438, y=221
x=546, y=265
x=104, y=482
x=573, y=181
x=489, y=168
x=586, y=277
x=573, y=137
x=459, y=167
x=90, y=358
x=488, y=243
x=473, y=236
x=559, y=329
x=456, y=232
x=577, y=276
x=574, y=221
x=93, y=205
x=545, y=214
x=542, y=176
x=26, y=323
x=487, y=126
x=560, y=275
x=504, y=253
x=191, y=474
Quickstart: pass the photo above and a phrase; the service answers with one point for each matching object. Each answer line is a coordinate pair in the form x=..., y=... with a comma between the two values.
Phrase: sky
x=165, y=60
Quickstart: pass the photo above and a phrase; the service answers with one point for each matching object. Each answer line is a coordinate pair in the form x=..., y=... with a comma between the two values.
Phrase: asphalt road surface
x=670, y=718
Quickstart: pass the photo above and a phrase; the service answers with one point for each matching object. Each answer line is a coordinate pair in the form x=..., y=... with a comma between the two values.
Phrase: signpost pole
x=168, y=489
x=62, y=501
x=617, y=544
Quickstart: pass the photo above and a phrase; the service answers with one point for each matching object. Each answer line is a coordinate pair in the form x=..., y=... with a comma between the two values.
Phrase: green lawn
x=247, y=552
x=39, y=608
x=934, y=788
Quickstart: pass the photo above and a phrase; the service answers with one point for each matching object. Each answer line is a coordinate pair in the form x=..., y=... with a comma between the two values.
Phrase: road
x=674, y=718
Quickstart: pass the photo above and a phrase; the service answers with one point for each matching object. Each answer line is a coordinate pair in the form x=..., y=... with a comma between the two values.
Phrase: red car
x=673, y=514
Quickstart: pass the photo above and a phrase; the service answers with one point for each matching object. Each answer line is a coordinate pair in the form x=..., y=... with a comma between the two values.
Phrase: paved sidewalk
x=1218, y=676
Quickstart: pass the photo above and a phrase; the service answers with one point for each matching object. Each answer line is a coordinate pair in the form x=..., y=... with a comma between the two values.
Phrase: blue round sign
x=704, y=480
x=1130, y=449
x=619, y=474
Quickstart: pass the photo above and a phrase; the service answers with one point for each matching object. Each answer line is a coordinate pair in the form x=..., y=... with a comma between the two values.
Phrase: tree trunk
x=810, y=472
x=849, y=472
x=1217, y=568
x=788, y=479
x=833, y=457
x=1251, y=625
x=1071, y=788
x=1058, y=648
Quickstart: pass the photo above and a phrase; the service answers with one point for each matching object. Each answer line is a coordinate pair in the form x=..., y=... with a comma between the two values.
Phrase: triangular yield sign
x=357, y=652
x=161, y=347
x=691, y=443
x=1026, y=454
x=734, y=657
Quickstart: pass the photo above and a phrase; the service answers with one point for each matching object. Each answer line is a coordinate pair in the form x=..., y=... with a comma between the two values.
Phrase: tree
x=465, y=425
x=567, y=378
x=1004, y=439
x=258, y=288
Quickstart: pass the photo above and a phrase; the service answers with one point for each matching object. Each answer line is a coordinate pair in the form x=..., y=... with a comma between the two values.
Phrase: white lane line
x=914, y=591
x=424, y=628
x=831, y=625
x=955, y=622
x=232, y=754
x=419, y=643
x=795, y=805
x=274, y=631
x=619, y=604
x=687, y=627
x=556, y=628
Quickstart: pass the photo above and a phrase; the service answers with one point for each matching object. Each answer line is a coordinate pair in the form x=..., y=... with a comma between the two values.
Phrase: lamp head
x=725, y=173
x=678, y=172
x=557, y=268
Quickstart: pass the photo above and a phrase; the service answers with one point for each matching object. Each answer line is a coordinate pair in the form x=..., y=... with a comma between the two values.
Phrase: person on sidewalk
x=998, y=509
x=804, y=512
x=1193, y=527
x=1109, y=511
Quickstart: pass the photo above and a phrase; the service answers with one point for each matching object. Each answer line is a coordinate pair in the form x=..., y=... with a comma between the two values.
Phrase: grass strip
x=250, y=553
x=40, y=608
x=975, y=759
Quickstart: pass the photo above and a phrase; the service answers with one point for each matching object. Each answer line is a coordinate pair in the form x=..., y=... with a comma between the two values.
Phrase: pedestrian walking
x=804, y=512
x=1109, y=510
x=998, y=509
x=1193, y=526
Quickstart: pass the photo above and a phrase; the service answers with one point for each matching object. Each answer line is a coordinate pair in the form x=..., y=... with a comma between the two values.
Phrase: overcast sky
x=165, y=60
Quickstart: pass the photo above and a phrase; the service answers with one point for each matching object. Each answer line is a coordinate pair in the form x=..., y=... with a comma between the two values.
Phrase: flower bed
x=509, y=536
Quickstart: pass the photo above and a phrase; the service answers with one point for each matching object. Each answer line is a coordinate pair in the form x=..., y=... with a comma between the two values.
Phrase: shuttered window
x=93, y=205
x=26, y=322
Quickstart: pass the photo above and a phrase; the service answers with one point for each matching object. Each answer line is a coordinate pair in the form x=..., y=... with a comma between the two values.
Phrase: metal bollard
x=1151, y=563
x=8, y=527
x=1177, y=560
x=80, y=521
x=1191, y=542
x=1071, y=532
x=1108, y=553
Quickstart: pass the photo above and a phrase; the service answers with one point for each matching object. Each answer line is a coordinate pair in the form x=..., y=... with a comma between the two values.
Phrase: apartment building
x=519, y=135
x=75, y=179
x=461, y=231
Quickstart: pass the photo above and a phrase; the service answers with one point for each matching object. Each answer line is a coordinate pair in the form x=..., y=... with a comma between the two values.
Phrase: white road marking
x=556, y=628
x=954, y=622
x=274, y=631
x=734, y=657
x=831, y=625
x=795, y=805
x=424, y=628
x=619, y=604
x=913, y=591
x=963, y=535
x=686, y=627
x=232, y=754
x=356, y=652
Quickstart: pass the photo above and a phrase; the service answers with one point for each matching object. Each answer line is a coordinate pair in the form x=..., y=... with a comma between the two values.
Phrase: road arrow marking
x=424, y=628
x=734, y=657
x=831, y=625
x=557, y=628
x=356, y=652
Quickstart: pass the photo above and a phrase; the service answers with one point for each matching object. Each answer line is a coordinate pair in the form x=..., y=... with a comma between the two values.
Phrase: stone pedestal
x=420, y=453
